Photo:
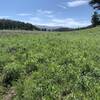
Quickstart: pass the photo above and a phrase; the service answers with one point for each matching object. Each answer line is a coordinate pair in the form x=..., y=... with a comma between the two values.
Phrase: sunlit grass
x=51, y=65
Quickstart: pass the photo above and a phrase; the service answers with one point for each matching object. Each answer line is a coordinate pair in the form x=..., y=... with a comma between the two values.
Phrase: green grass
x=51, y=66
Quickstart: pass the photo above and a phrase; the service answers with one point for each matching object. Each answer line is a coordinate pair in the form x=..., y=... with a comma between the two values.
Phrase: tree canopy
x=95, y=4
x=95, y=19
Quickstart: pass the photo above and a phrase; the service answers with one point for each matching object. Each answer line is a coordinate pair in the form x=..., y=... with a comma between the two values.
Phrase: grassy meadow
x=50, y=65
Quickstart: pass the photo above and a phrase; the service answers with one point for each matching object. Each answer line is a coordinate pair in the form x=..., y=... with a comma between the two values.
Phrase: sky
x=66, y=13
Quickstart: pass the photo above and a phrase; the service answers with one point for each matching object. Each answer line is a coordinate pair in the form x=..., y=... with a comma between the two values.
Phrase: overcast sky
x=69, y=13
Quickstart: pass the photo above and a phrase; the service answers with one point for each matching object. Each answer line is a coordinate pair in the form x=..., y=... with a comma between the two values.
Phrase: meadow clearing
x=51, y=65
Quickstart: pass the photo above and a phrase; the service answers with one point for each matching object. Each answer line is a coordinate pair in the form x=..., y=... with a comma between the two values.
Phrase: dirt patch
x=9, y=95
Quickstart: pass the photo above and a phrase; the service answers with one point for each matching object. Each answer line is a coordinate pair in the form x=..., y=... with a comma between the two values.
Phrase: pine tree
x=95, y=19
x=95, y=4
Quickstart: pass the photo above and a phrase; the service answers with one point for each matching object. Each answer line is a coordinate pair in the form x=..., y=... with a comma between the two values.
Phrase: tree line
x=16, y=25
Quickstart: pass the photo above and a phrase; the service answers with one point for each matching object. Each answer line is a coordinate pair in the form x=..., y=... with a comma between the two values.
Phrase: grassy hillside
x=50, y=66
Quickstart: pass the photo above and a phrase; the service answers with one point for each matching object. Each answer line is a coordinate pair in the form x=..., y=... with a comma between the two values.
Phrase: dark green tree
x=95, y=4
x=95, y=19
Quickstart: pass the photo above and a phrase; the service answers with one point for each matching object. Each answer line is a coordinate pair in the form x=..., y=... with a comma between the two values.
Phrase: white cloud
x=45, y=13
x=40, y=11
x=76, y=3
x=68, y=22
x=24, y=14
x=46, y=17
x=72, y=3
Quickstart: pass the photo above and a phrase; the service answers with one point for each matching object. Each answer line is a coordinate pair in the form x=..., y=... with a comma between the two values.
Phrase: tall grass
x=53, y=66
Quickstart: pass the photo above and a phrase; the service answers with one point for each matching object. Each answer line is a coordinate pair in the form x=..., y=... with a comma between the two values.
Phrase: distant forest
x=16, y=25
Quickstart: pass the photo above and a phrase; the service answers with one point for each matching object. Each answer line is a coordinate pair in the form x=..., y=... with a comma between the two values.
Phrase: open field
x=50, y=66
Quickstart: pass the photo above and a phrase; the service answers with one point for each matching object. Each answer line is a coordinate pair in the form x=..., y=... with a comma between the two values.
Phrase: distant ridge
x=60, y=28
